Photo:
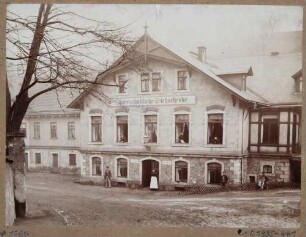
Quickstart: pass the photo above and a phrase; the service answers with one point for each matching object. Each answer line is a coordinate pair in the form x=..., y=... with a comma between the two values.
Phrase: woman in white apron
x=153, y=182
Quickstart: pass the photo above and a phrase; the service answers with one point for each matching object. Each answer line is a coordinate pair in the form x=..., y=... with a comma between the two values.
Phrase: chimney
x=202, y=54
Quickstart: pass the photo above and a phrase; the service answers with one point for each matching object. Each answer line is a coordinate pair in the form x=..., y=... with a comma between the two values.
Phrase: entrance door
x=295, y=171
x=214, y=173
x=147, y=167
x=55, y=161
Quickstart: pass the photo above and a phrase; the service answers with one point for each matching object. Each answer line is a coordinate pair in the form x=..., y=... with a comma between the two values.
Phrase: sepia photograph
x=153, y=115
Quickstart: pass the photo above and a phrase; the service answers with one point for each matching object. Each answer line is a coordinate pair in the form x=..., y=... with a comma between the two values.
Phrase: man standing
x=107, y=177
x=224, y=179
x=262, y=181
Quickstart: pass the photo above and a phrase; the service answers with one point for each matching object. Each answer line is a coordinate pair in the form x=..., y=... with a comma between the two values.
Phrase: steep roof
x=272, y=76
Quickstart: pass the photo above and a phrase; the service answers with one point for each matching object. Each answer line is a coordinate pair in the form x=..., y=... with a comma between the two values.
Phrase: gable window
x=145, y=82
x=270, y=130
x=182, y=128
x=37, y=158
x=96, y=129
x=122, y=84
x=122, y=129
x=182, y=77
x=215, y=129
x=181, y=171
x=267, y=169
x=299, y=84
x=71, y=130
x=156, y=81
x=36, y=130
x=53, y=130
x=96, y=166
x=122, y=168
x=151, y=128
x=72, y=159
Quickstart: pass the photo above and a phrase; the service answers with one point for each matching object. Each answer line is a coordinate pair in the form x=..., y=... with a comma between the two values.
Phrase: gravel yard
x=56, y=199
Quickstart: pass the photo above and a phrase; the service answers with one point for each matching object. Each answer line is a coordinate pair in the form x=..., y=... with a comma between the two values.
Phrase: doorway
x=214, y=173
x=147, y=167
x=295, y=171
x=55, y=161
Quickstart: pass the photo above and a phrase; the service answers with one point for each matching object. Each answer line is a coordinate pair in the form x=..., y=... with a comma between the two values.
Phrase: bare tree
x=55, y=55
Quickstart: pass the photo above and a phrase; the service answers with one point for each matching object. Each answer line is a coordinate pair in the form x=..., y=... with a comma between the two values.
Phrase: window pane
x=215, y=129
x=182, y=128
x=53, y=129
x=145, y=82
x=122, y=167
x=96, y=166
x=181, y=171
x=122, y=129
x=156, y=81
x=270, y=131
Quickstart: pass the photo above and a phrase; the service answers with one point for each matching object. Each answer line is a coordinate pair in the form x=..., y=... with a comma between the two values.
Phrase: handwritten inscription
x=163, y=100
x=267, y=233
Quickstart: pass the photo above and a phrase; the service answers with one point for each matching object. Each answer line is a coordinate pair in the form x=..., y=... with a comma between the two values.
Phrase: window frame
x=71, y=137
x=174, y=171
x=150, y=91
x=35, y=153
x=269, y=163
x=34, y=130
x=262, y=123
x=90, y=166
x=187, y=80
x=25, y=129
x=126, y=87
x=181, y=112
x=75, y=158
x=116, y=129
x=206, y=127
x=144, y=124
x=55, y=131
x=90, y=128
x=116, y=167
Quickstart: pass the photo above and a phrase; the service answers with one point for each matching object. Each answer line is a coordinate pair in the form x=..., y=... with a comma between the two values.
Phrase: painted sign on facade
x=160, y=100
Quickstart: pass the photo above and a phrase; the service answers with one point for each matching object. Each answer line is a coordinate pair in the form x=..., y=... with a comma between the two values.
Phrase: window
x=215, y=129
x=145, y=82
x=96, y=166
x=37, y=158
x=299, y=84
x=122, y=129
x=23, y=129
x=270, y=130
x=267, y=169
x=96, y=129
x=122, y=167
x=36, y=130
x=53, y=129
x=182, y=77
x=71, y=130
x=122, y=84
x=156, y=81
x=181, y=171
x=182, y=128
x=151, y=128
x=72, y=159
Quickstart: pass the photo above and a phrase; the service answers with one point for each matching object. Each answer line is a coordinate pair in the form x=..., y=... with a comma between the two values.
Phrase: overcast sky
x=226, y=31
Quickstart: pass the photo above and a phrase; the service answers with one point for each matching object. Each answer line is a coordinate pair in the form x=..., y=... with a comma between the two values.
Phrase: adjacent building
x=187, y=118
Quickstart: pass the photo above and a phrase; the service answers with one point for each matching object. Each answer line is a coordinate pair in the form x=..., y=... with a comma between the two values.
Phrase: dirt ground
x=56, y=199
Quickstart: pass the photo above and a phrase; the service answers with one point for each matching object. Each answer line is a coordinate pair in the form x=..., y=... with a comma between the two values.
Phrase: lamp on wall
x=145, y=142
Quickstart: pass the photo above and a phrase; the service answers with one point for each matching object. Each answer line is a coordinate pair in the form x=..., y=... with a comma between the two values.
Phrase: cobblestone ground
x=56, y=199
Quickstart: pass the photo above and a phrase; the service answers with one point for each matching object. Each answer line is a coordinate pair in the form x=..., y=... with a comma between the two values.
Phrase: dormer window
x=299, y=85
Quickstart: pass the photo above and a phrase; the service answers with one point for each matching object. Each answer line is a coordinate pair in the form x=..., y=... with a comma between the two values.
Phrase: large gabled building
x=190, y=119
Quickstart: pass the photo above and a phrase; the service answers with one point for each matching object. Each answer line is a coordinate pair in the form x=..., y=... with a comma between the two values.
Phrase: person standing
x=224, y=179
x=262, y=181
x=107, y=177
x=153, y=181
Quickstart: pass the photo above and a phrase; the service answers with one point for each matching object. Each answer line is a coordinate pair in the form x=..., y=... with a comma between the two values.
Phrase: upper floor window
x=72, y=159
x=151, y=82
x=122, y=79
x=215, y=129
x=36, y=130
x=23, y=129
x=96, y=129
x=151, y=128
x=122, y=129
x=122, y=167
x=53, y=130
x=270, y=130
x=182, y=128
x=71, y=130
x=181, y=171
x=182, y=80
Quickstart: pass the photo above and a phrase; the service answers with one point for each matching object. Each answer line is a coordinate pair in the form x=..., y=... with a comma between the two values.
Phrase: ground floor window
x=122, y=167
x=214, y=173
x=267, y=169
x=37, y=158
x=72, y=159
x=181, y=171
x=96, y=166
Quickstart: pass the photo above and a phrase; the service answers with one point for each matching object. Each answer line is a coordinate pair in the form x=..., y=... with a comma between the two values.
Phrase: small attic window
x=299, y=84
